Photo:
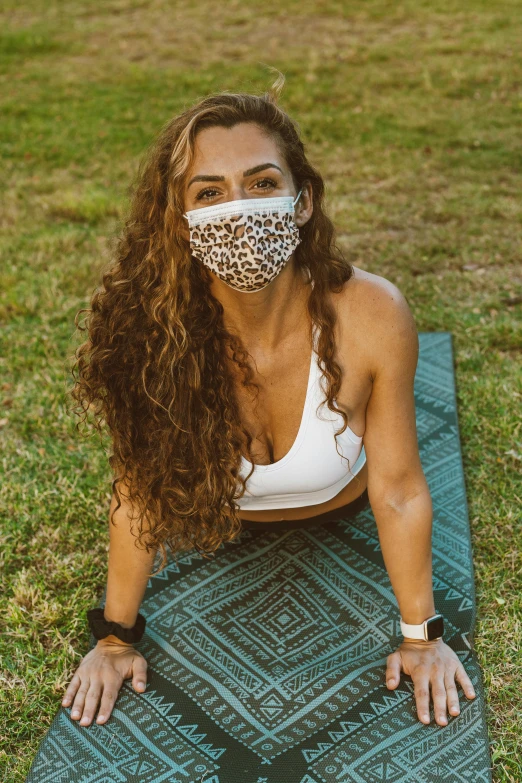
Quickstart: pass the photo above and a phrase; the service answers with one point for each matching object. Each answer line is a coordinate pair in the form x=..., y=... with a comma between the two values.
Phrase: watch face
x=435, y=627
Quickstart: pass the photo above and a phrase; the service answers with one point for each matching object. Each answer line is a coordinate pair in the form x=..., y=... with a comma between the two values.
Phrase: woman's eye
x=204, y=194
x=270, y=182
x=209, y=193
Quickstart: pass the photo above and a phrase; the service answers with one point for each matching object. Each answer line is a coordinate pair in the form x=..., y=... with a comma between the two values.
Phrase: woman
x=198, y=287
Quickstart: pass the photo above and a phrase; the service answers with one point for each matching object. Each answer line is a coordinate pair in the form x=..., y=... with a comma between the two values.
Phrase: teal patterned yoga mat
x=267, y=662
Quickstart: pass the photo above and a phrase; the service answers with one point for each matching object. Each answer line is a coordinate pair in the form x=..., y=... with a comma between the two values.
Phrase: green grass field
x=412, y=111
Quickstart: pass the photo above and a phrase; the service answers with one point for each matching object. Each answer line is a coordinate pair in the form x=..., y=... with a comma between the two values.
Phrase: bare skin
x=101, y=673
x=283, y=382
x=376, y=344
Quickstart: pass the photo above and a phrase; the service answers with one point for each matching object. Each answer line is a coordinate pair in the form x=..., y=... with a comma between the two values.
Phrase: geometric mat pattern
x=267, y=662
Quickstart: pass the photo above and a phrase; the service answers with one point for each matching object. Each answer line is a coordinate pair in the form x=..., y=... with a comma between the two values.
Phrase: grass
x=411, y=111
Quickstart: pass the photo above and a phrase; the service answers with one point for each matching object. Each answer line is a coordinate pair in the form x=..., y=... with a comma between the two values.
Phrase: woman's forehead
x=218, y=149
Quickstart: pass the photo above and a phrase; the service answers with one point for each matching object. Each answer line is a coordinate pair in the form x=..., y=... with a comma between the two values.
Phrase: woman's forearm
x=405, y=538
x=129, y=569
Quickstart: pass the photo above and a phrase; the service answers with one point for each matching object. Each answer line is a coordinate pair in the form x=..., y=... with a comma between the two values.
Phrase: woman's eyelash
x=202, y=193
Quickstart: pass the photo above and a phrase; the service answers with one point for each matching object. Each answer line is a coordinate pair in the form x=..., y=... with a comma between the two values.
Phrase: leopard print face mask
x=246, y=242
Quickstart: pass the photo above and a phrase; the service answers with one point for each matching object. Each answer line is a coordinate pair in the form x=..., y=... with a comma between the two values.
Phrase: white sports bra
x=312, y=471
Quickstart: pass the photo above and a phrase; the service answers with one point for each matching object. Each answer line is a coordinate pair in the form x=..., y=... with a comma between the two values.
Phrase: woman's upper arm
x=390, y=438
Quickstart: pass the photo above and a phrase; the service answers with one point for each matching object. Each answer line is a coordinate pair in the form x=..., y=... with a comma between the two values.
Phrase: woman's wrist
x=112, y=640
x=424, y=642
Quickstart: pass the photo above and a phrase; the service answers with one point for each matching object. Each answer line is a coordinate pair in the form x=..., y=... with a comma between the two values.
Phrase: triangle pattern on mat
x=311, y=754
x=174, y=620
x=214, y=753
x=356, y=534
x=438, y=584
x=173, y=719
x=165, y=573
x=161, y=575
x=397, y=698
x=137, y=767
x=67, y=745
x=386, y=770
x=90, y=764
x=157, y=702
x=389, y=627
x=452, y=594
x=347, y=728
x=388, y=702
x=189, y=732
x=379, y=708
x=62, y=776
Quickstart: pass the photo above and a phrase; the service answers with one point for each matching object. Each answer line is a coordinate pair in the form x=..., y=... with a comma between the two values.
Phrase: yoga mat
x=267, y=663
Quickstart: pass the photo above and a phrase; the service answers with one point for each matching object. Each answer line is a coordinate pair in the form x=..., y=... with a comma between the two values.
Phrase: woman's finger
x=139, y=674
x=71, y=691
x=79, y=700
x=393, y=670
x=467, y=685
x=422, y=694
x=91, y=702
x=109, y=696
x=451, y=693
x=438, y=691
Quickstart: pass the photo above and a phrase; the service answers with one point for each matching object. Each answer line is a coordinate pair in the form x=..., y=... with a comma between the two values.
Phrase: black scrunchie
x=101, y=627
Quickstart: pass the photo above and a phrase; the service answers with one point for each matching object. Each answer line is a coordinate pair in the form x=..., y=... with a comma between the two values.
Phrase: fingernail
x=141, y=685
x=425, y=716
x=76, y=714
x=390, y=681
x=101, y=718
x=442, y=720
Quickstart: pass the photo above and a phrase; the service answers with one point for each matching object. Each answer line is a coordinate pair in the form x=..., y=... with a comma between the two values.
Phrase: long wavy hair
x=153, y=368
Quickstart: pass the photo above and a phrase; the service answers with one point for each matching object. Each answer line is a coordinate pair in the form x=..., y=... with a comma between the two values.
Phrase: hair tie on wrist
x=100, y=627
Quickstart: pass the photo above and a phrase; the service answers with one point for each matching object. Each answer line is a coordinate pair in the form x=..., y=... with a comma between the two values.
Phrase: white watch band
x=415, y=631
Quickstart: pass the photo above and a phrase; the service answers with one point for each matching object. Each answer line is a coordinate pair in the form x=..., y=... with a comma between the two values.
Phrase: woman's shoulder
x=370, y=290
x=374, y=314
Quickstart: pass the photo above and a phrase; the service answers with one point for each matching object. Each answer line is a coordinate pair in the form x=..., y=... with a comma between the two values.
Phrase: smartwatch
x=430, y=629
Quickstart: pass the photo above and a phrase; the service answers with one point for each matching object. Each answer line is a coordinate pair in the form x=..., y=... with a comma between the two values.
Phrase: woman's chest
x=288, y=386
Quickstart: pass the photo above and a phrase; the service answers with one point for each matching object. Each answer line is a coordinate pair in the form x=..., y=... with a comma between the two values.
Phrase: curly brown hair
x=154, y=366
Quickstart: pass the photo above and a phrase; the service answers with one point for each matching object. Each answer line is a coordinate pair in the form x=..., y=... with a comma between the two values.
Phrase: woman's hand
x=430, y=663
x=100, y=675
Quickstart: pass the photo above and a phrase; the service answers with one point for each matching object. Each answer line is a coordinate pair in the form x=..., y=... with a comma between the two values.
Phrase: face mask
x=246, y=242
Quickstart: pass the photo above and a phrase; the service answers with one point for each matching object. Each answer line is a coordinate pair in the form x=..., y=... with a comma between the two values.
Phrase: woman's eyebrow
x=247, y=173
